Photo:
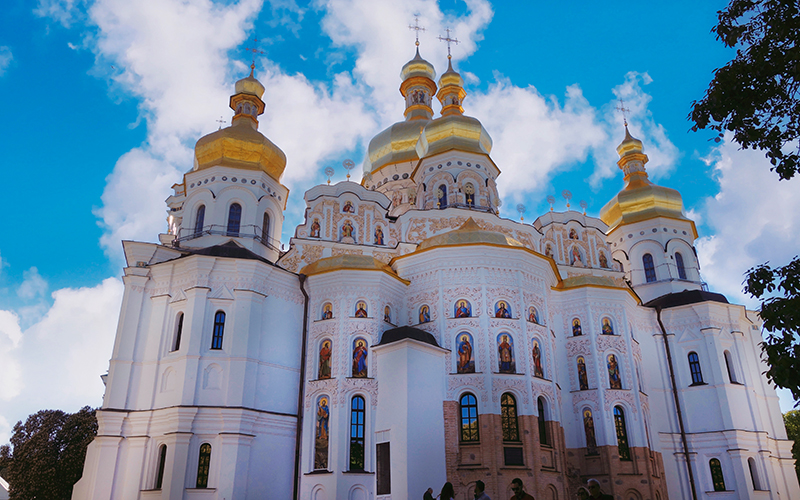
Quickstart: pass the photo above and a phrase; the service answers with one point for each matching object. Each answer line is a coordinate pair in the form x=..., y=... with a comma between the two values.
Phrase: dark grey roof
x=228, y=249
x=686, y=297
x=407, y=332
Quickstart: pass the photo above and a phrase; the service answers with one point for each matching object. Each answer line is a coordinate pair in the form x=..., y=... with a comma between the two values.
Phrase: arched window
x=162, y=462
x=234, y=219
x=622, y=434
x=694, y=367
x=649, y=268
x=544, y=439
x=751, y=464
x=178, y=330
x=199, y=220
x=203, y=462
x=716, y=474
x=441, y=193
x=469, y=418
x=469, y=194
x=729, y=366
x=508, y=417
x=219, y=328
x=679, y=264
x=357, y=433
x=265, y=229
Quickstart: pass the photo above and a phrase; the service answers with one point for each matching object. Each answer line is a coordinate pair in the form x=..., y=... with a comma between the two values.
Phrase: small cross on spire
x=417, y=28
x=221, y=122
x=448, y=40
x=621, y=108
x=255, y=51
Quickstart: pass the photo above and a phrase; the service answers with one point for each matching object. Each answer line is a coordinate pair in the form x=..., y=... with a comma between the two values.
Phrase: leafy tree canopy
x=755, y=95
x=792, y=421
x=45, y=458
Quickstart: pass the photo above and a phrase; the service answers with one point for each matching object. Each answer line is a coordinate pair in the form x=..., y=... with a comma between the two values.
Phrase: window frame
x=544, y=433
x=234, y=224
x=266, y=221
x=358, y=418
x=717, y=476
x=680, y=265
x=160, y=466
x=695, y=370
x=509, y=418
x=218, y=333
x=203, y=468
x=199, y=220
x=623, y=445
x=648, y=263
x=468, y=433
x=176, y=339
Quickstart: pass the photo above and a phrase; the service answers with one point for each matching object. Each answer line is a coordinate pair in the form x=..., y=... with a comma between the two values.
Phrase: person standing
x=480, y=493
x=519, y=490
x=596, y=492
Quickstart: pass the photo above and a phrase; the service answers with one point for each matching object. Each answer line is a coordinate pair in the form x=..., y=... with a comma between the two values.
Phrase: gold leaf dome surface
x=470, y=233
x=417, y=67
x=240, y=146
x=395, y=144
x=455, y=131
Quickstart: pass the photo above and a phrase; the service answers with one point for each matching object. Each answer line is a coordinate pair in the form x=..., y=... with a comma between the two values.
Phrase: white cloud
x=755, y=218
x=65, y=12
x=33, y=285
x=57, y=362
x=5, y=58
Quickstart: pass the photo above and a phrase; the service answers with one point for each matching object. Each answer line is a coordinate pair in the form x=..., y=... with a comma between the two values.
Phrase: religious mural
x=314, y=229
x=387, y=314
x=325, y=352
x=583, y=378
x=548, y=251
x=348, y=208
x=537, y=360
x=603, y=260
x=502, y=309
x=327, y=311
x=361, y=309
x=424, y=313
x=533, y=315
x=606, y=327
x=347, y=230
x=466, y=362
x=360, y=358
x=614, y=378
x=588, y=429
x=576, y=327
x=575, y=258
x=321, y=435
x=378, y=236
x=573, y=235
x=463, y=309
x=505, y=354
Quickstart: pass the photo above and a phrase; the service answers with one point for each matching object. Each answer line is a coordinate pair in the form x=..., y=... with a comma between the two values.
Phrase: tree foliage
x=757, y=95
x=792, y=421
x=46, y=455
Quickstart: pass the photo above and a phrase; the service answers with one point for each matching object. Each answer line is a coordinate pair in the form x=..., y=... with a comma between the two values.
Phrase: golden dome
x=241, y=145
x=348, y=262
x=640, y=199
x=417, y=67
x=469, y=234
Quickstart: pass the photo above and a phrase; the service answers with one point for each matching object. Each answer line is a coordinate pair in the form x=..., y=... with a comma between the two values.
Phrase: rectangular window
x=357, y=433
x=383, y=472
x=513, y=456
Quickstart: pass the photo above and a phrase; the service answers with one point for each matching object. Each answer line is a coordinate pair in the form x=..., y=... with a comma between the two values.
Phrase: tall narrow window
x=199, y=220
x=543, y=435
x=357, y=433
x=694, y=367
x=441, y=195
x=649, y=268
x=234, y=219
x=622, y=434
x=729, y=366
x=203, y=462
x=469, y=418
x=383, y=474
x=679, y=264
x=265, y=229
x=178, y=331
x=162, y=462
x=219, y=328
x=751, y=464
x=469, y=195
x=508, y=417
x=716, y=474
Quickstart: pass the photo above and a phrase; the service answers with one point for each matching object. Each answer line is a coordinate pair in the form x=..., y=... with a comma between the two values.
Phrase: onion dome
x=398, y=142
x=640, y=199
x=469, y=234
x=241, y=145
x=453, y=130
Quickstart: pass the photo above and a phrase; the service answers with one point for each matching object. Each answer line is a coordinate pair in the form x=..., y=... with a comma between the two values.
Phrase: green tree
x=756, y=97
x=792, y=421
x=45, y=458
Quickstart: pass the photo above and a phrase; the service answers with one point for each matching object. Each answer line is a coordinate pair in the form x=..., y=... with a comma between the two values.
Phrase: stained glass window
x=508, y=417
x=622, y=434
x=469, y=418
x=202, y=465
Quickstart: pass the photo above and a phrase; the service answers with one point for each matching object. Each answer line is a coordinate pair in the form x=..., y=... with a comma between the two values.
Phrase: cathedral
x=410, y=336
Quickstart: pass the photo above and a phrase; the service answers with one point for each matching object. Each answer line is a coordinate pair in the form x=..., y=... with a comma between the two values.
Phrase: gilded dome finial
x=255, y=51
x=448, y=40
x=417, y=28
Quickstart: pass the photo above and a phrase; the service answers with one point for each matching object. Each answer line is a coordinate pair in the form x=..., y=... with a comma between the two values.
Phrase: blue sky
x=104, y=99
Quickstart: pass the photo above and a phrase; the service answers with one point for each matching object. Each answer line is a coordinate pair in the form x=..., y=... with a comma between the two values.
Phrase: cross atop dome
x=255, y=51
x=449, y=41
x=417, y=28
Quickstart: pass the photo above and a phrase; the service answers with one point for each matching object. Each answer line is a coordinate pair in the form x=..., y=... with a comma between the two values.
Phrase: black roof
x=407, y=332
x=686, y=297
x=229, y=249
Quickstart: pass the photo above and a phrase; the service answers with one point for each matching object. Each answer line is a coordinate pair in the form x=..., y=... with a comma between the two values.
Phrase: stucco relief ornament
x=368, y=385
x=578, y=346
x=327, y=386
x=501, y=385
x=612, y=396
x=542, y=387
x=607, y=342
x=582, y=398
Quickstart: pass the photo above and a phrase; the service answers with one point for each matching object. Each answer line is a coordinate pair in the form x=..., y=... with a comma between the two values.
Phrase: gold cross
x=416, y=28
x=220, y=121
x=448, y=40
x=255, y=51
x=624, y=111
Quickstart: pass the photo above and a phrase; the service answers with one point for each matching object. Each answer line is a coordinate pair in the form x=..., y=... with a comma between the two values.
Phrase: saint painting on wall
x=361, y=309
x=533, y=315
x=576, y=327
x=573, y=235
x=575, y=257
x=378, y=236
x=387, y=314
x=321, y=435
x=466, y=363
x=347, y=229
x=463, y=309
x=614, y=378
x=348, y=207
x=583, y=378
x=588, y=428
x=360, y=358
x=424, y=314
x=324, y=360
x=607, y=328
x=548, y=251
x=603, y=260
x=537, y=360
x=314, y=229
x=327, y=311
x=505, y=353
x=502, y=309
